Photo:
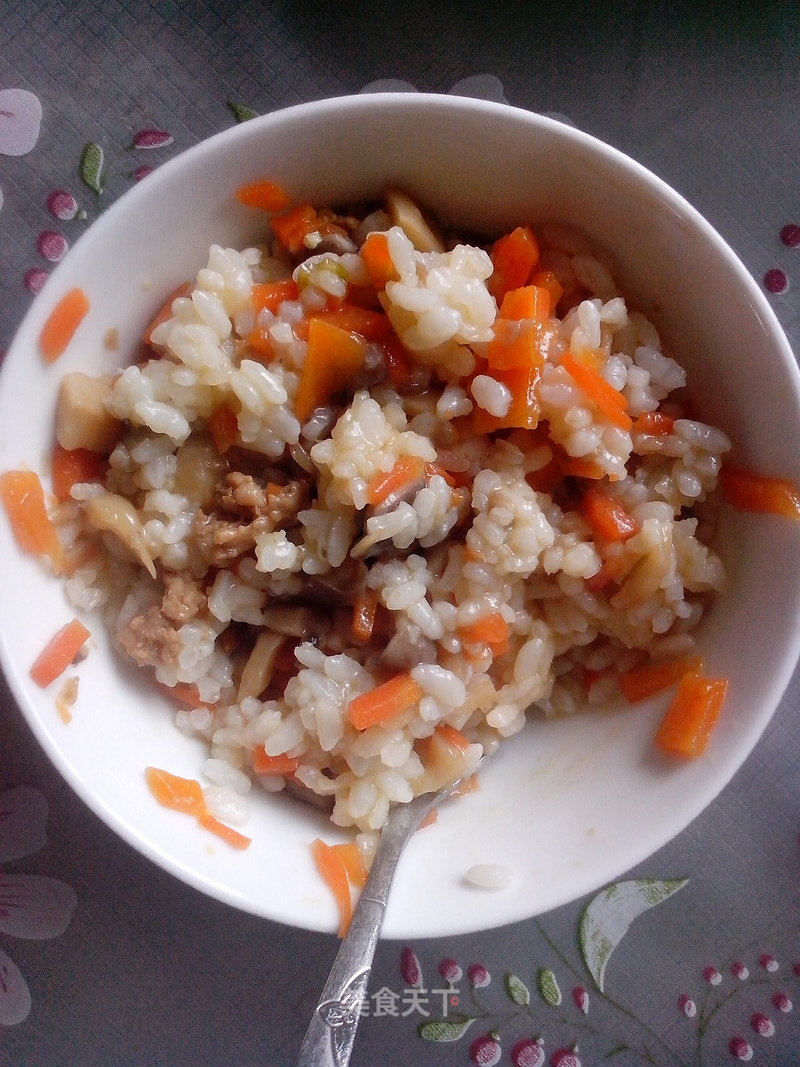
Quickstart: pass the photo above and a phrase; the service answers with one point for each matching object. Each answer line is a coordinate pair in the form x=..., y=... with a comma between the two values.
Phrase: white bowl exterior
x=567, y=805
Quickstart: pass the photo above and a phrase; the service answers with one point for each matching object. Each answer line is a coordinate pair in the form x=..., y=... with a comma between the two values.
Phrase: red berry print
x=485, y=1051
x=565, y=1057
x=34, y=279
x=62, y=205
x=528, y=1053
x=790, y=235
x=142, y=172
x=410, y=968
x=712, y=975
x=741, y=1049
x=740, y=971
x=775, y=281
x=152, y=139
x=768, y=962
x=450, y=970
x=478, y=976
x=687, y=1006
x=762, y=1024
x=782, y=1003
x=53, y=246
x=581, y=998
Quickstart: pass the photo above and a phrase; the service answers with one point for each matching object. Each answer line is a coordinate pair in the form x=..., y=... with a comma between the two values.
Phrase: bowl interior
x=555, y=804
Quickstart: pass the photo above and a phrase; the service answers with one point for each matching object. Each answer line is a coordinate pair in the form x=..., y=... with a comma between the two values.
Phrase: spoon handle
x=332, y=1030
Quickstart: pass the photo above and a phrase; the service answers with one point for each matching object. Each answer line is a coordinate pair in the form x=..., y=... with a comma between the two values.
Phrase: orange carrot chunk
x=333, y=360
x=378, y=261
x=546, y=279
x=59, y=653
x=607, y=518
x=752, y=492
x=365, y=610
x=223, y=425
x=271, y=295
x=692, y=715
x=527, y=302
x=331, y=866
x=64, y=320
x=405, y=472
x=23, y=498
x=514, y=256
x=602, y=394
x=282, y=766
x=384, y=702
x=181, y=794
x=374, y=325
x=645, y=681
x=72, y=466
x=491, y=630
x=353, y=860
x=264, y=194
x=654, y=423
x=165, y=311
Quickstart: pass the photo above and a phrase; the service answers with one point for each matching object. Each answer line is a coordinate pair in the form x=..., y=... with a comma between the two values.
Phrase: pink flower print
x=34, y=279
x=52, y=245
x=410, y=968
x=781, y=1001
x=450, y=970
x=687, y=1006
x=479, y=977
x=740, y=971
x=768, y=962
x=762, y=1024
x=741, y=1049
x=712, y=975
x=528, y=1053
x=20, y=121
x=581, y=998
x=485, y=1051
x=62, y=205
x=32, y=906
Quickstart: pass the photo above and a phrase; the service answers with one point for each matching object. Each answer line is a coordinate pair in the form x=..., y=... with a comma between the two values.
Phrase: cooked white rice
x=262, y=552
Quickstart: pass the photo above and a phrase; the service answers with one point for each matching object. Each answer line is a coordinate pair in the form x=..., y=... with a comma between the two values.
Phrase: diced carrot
x=578, y=467
x=184, y=693
x=611, y=570
x=607, y=517
x=23, y=497
x=514, y=257
x=753, y=492
x=165, y=311
x=453, y=737
x=399, y=365
x=692, y=715
x=525, y=408
x=353, y=860
x=333, y=360
x=491, y=630
x=515, y=344
x=546, y=279
x=374, y=325
x=527, y=302
x=405, y=472
x=364, y=611
x=378, y=261
x=654, y=423
x=331, y=866
x=436, y=470
x=270, y=295
x=64, y=320
x=264, y=194
x=294, y=226
x=384, y=702
x=223, y=426
x=443, y=755
x=227, y=833
x=72, y=466
x=640, y=683
x=282, y=766
x=59, y=652
x=181, y=794
x=603, y=395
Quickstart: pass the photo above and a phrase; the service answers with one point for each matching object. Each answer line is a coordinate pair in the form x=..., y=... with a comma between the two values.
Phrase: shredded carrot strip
x=282, y=766
x=59, y=653
x=516, y=343
x=270, y=295
x=753, y=492
x=165, y=311
x=384, y=702
x=577, y=467
x=223, y=426
x=227, y=833
x=491, y=630
x=525, y=409
x=527, y=302
x=604, y=396
x=73, y=465
x=186, y=795
x=23, y=498
x=546, y=279
x=374, y=325
x=607, y=517
x=399, y=365
x=453, y=737
x=333, y=360
x=334, y=872
x=654, y=423
x=64, y=320
x=378, y=261
x=692, y=715
x=645, y=681
x=405, y=472
x=264, y=194
x=353, y=860
x=514, y=257
x=364, y=611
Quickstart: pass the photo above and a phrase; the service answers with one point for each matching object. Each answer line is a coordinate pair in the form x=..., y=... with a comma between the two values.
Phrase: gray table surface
x=143, y=970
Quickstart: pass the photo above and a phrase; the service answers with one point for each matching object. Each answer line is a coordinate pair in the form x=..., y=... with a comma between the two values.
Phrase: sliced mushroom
x=404, y=213
x=111, y=512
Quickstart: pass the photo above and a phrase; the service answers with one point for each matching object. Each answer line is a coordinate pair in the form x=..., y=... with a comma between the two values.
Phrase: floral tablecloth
x=105, y=959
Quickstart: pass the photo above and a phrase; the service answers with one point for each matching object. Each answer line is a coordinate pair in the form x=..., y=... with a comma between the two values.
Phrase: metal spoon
x=332, y=1030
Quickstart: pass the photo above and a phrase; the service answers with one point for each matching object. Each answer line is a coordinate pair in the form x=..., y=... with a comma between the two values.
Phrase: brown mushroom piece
x=404, y=213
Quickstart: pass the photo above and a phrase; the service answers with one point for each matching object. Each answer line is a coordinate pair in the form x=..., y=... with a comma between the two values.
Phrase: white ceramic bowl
x=568, y=805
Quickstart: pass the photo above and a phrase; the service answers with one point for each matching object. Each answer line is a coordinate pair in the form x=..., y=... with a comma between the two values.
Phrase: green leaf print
x=517, y=989
x=451, y=1029
x=548, y=987
x=241, y=112
x=92, y=161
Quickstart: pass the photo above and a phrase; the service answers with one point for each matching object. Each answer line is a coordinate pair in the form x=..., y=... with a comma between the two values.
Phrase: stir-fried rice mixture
x=371, y=492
